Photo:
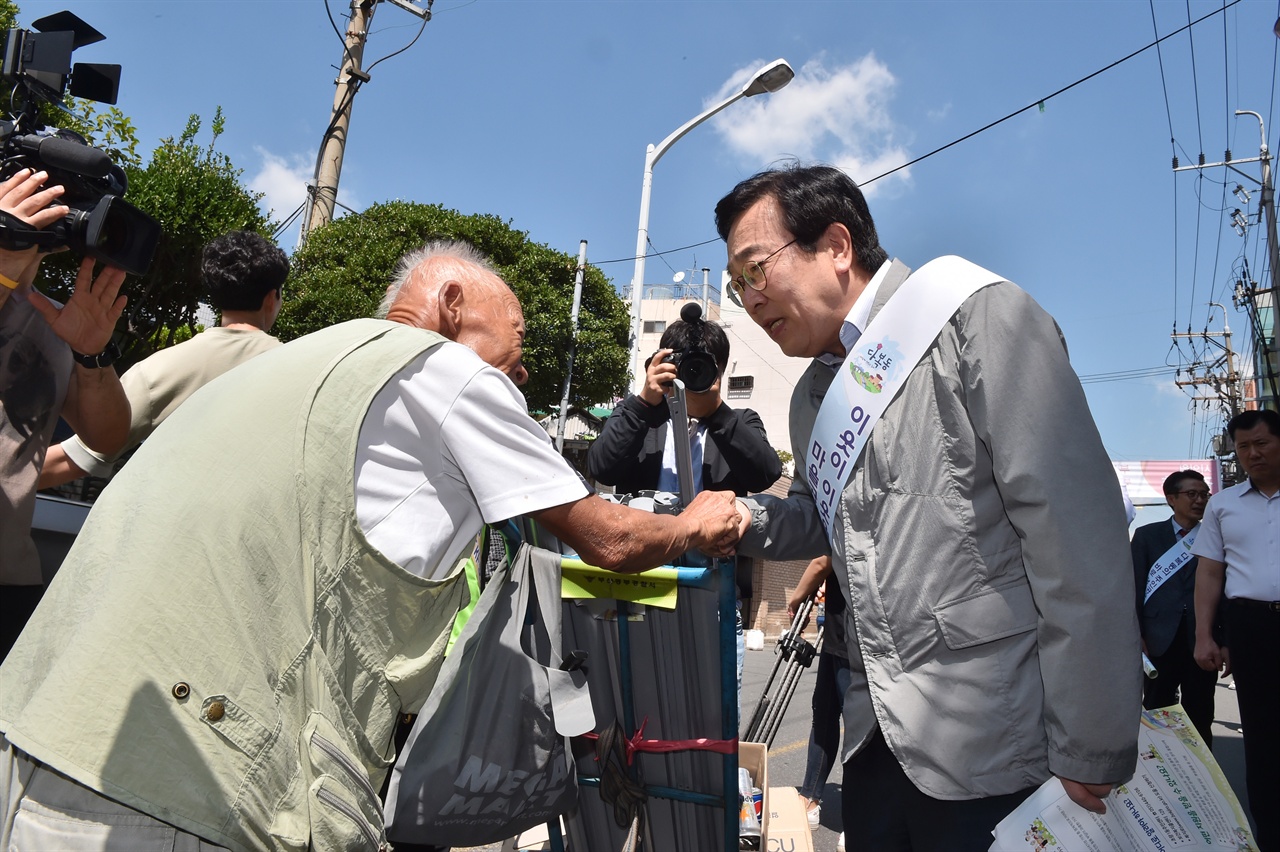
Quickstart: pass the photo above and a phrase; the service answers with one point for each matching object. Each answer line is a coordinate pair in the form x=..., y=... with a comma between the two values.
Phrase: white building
x=759, y=376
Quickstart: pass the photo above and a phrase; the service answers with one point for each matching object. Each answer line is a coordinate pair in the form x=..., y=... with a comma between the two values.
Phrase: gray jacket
x=983, y=549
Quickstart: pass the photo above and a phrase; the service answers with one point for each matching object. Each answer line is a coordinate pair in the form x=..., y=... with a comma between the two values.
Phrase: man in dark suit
x=1167, y=615
x=735, y=451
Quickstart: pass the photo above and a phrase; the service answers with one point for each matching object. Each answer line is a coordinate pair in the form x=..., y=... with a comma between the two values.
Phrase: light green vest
x=222, y=648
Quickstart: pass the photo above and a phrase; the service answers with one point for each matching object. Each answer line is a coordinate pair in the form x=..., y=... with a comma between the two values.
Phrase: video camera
x=101, y=224
x=695, y=366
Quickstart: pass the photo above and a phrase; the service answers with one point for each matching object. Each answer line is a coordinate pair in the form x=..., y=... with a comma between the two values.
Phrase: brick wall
x=772, y=583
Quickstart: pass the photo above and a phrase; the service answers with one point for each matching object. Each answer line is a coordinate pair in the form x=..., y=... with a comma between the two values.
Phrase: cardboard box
x=788, y=824
x=755, y=758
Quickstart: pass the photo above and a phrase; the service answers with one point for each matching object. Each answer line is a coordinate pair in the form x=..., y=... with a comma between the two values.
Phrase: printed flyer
x=1178, y=798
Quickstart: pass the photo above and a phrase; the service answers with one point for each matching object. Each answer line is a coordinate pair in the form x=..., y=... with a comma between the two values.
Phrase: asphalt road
x=787, y=755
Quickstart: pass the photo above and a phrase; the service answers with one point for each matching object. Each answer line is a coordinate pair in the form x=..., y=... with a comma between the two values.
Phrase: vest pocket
x=235, y=724
x=345, y=812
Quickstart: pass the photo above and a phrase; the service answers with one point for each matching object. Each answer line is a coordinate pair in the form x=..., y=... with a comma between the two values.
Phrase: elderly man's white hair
x=455, y=252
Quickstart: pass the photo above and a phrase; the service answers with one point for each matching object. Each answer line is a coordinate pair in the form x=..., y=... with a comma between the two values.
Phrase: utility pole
x=1226, y=389
x=1265, y=303
x=573, y=343
x=323, y=194
x=1262, y=302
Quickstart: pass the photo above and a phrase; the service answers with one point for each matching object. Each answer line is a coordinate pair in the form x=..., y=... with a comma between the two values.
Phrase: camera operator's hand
x=89, y=317
x=658, y=377
x=24, y=196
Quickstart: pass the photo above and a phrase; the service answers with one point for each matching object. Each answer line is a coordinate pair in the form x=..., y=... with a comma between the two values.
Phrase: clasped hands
x=722, y=519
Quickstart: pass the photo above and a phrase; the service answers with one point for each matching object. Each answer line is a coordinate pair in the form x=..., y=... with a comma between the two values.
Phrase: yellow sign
x=655, y=587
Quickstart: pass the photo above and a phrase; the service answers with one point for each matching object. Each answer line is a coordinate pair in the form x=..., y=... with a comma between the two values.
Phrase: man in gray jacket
x=979, y=537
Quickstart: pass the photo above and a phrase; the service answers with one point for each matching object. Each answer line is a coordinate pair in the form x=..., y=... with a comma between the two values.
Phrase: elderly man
x=272, y=580
x=55, y=361
x=977, y=529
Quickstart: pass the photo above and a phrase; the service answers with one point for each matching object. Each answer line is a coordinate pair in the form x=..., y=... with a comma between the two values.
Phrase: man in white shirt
x=1239, y=550
x=243, y=275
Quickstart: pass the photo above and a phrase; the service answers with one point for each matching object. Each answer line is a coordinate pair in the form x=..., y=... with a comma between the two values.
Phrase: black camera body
x=101, y=224
x=695, y=366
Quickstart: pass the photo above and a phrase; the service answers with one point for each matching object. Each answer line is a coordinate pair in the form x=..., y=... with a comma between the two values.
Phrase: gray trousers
x=42, y=810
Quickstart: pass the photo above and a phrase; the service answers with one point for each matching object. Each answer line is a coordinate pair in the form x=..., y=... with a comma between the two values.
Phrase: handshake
x=720, y=520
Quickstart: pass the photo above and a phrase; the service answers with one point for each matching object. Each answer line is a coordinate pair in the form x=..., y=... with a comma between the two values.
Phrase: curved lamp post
x=770, y=78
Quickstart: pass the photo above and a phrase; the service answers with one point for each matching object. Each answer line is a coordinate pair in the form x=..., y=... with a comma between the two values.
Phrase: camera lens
x=698, y=371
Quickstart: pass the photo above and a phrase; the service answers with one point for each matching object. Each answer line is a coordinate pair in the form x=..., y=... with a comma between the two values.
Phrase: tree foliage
x=343, y=269
x=195, y=192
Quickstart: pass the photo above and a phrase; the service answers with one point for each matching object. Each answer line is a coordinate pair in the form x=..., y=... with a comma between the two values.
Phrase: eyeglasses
x=753, y=275
x=1194, y=493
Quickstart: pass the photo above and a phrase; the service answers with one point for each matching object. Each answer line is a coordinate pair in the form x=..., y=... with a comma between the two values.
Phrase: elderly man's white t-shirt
x=446, y=445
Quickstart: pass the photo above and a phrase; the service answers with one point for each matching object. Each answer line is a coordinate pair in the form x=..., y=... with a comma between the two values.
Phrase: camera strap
x=876, y=368
x=17, y=235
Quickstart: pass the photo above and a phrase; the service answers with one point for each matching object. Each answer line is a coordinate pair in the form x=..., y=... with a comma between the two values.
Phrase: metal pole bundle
x=796, y=653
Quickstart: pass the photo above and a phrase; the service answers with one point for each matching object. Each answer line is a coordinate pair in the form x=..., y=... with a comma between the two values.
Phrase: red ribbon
x=637, y=743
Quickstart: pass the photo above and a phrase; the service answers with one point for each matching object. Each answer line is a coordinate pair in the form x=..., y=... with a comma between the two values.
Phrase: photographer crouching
x=729, y=448
x=54, y=362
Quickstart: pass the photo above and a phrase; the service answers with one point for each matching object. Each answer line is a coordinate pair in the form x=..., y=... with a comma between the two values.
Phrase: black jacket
x=1159, y=617
x=736, y=457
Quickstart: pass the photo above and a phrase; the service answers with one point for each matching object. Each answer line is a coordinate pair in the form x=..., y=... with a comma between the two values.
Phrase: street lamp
x=770, y=78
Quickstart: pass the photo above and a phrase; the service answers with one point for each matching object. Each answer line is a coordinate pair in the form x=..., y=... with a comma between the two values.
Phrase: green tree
x=343, y=269
x=106, y=128
x=195, y=192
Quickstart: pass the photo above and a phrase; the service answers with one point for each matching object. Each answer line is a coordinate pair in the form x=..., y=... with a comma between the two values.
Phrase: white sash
x=877, y=367
x=1171, y=562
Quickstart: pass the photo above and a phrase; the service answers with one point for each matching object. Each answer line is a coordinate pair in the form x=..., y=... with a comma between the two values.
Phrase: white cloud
x=283, y=180
x=939, y=113
x=838, y=115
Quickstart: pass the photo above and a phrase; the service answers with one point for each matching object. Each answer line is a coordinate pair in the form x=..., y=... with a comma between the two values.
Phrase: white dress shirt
x=1241, y=528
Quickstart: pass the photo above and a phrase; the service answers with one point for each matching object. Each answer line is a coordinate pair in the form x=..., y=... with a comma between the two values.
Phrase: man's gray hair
x=460, y=253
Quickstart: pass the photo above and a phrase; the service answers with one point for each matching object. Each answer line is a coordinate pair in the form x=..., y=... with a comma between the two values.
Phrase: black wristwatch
x=105, y=358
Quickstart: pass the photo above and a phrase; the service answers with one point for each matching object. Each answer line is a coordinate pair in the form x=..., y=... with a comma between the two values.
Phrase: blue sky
x=540, y=112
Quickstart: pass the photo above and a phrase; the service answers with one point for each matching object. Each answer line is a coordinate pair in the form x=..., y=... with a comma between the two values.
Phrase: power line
x=985, y=127
x=632, y=258
x=1127, y=375
x=425, y=18
x=1054, y=95
x=1195, y=82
